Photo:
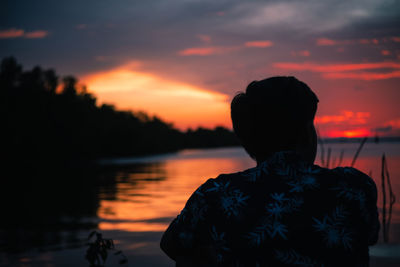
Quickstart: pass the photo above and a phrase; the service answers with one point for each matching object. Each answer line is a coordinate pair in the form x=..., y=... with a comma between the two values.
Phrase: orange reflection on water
x=148, y=200
x=150, y=205
x=134, y=226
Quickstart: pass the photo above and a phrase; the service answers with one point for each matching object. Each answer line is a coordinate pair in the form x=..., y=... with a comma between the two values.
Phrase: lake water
x=133, y=200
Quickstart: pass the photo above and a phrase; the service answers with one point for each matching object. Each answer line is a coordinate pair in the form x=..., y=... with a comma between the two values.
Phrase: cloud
x=302, y=53
x=346, y=116
x=207, y=51
x=393, y=123
x=204, y=38
x=259, y=44
x=366, y=76
x=331, y=42
x=384, y=129
x=200, y=51
x=369, y=41
x=326, y=42
x=214, y=50
x=186, y=105
x=392, y=126
x=18, y=33
x=306, y=66
x=347, y=71
x=386, y=53
x=310, y=16
x=11, y=33
x=36, y=34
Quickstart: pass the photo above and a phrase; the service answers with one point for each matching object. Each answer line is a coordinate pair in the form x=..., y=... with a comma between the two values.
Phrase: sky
x=184, y=60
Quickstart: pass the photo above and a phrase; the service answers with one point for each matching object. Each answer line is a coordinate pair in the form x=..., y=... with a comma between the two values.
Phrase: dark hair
x=272, y=114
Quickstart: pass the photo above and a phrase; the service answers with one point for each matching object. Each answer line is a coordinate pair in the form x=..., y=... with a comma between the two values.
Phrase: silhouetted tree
x=42, y=124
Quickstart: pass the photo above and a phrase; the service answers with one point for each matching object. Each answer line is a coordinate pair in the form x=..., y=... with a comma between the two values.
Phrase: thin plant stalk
x=392, y=199
x=328, y=158
x=321, y=145
x=383, y=199
x=340, y=158
x=358, y=151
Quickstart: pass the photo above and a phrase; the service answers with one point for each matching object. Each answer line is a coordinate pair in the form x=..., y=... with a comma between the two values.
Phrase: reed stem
x=383, y=199
x=392, y=200
x=358, y=151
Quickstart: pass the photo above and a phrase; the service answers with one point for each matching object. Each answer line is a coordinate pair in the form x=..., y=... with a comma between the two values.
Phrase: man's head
x=275, y=114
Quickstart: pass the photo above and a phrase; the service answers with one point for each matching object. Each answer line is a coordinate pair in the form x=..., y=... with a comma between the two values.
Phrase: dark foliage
x=99, y=248
x=45, y=119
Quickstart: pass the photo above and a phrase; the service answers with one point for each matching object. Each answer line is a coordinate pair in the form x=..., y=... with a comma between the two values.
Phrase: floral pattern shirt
x=284, y=212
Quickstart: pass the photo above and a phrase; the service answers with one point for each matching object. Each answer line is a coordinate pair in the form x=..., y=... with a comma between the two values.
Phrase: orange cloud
x=17, y=33
x=36, y=34
x=346, y=71
x=183, y=104
x=336, y=67
x=330, y=42
x=346, y=116
x=366, y=76
x=199, y=51
x=207, y=51
x=326, y=42
x=11, y=33
x=259, y=44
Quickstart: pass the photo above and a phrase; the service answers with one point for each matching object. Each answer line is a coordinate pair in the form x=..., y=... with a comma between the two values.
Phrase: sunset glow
x=16, y=33
x=308, y=66
x=186, y=61
x=199, y=51
x=382, y=70
x=183, y=104
x=259, y=44
x=350, y=133
x=11, y=33
x=347, y=116
x=115, y=113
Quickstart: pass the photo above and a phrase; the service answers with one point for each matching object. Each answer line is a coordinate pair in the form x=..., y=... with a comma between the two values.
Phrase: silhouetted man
x=286, y=211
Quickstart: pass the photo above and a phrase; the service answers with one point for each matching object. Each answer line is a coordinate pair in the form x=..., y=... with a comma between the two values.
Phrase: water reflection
x=168, y=182
x=152, y=204
x=132, y=199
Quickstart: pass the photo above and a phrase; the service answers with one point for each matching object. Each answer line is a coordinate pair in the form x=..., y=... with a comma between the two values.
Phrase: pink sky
x=186, y=60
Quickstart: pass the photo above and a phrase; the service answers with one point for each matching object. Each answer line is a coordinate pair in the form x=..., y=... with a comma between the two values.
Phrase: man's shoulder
x=348, y=179
x=219, y=182
x=353, y=175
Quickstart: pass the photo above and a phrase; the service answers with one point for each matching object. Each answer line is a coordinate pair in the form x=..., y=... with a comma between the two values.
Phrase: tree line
x=45, y=117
